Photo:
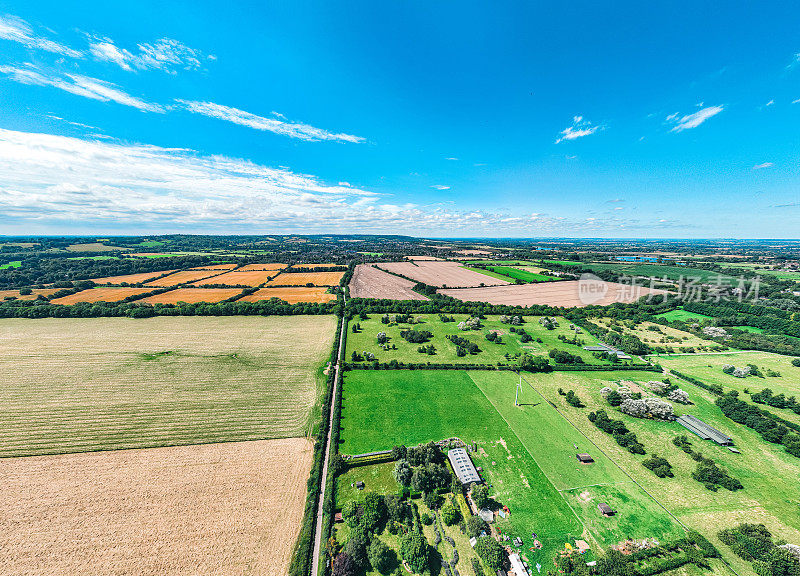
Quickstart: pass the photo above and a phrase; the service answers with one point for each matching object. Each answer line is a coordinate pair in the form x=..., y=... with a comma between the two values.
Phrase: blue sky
x=433, y=119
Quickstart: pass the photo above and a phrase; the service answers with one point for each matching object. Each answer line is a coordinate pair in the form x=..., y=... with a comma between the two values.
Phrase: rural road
x=324, y=481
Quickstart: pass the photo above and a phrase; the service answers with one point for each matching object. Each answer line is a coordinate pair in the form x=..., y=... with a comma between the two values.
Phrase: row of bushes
x=715, y=389
x=771, y=427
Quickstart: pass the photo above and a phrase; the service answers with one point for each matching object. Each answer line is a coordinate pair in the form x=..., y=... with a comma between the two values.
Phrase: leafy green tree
x=414, y=550
x=490, y=551
x=450, y=512
x=403, y=473
x=480, y=495
x=357, y=550
x=476, y=525
x=381, y=557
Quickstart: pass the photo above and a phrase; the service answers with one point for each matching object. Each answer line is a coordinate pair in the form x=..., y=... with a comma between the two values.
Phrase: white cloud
x=451, y=158
x=78, y=85
x=165, y=54
x=293, y=130
x=796, y=101
x=440, y=187
x=770, y=103
x=763, y=165
x=672, y=117
x=18, y=30
x=579, y=129
x=694, y=120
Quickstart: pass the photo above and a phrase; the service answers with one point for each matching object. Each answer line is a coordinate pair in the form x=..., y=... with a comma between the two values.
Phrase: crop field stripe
x=609, y=457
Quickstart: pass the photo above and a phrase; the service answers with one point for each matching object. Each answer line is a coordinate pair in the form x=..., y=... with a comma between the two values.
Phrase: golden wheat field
x=192, y=295
x=102, y=294
x=238, y=277
x=275, y=266
x=303, y=278
x=130, y=278
x=82, y=384
x=292, y=295
x=214, y=509
x=183, y=277
x=32, y=296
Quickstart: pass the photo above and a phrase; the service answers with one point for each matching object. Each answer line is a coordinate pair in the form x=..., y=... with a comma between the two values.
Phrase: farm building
x=463, y=466
x=703, y=430
x=605, y=348
x=584, y=458
x=516, y=565
x=606, y=510
x=486, y=515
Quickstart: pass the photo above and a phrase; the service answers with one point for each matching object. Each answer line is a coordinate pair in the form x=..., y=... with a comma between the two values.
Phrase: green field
x=527, y=452
x=107, y=383
x=376, y=478
x=751, y=329
x=521, y=275
x=491, y=353
x=12, y=264
x=768, y=473
x=683, y=316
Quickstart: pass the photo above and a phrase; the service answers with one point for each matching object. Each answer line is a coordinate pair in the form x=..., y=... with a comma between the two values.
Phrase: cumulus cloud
x=762, y=165
x=276, y=125
x=579, y=129
x=18, y=30
x=694, y=120
x=165, y=54
x=79, y=85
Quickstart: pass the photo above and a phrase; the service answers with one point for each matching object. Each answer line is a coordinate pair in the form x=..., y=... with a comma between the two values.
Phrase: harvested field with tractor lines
x=130, y=278
x=566, y=294
x=215, y=509
x=440, y=274
x=215, y=267
x=369, y=282
x=103, y=294
x=182, y=277
x=240, y=278
x=267, y=266
x=291, y=295
x=124, y=383
x=192, y=295
x=303, y=278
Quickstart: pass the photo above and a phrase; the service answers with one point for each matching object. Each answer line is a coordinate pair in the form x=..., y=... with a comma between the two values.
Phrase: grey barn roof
x=703, y=430
x=463, y=466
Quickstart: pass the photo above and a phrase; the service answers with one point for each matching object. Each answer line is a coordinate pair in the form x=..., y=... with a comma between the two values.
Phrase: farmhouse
x=703, y=430
x=584, y=458
x=463, y=466
x=606, y=510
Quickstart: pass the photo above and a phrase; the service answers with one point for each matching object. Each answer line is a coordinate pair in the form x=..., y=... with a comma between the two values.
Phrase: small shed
x=606, y=510
x=337, y=517
x=585, y=458
x=486, y=515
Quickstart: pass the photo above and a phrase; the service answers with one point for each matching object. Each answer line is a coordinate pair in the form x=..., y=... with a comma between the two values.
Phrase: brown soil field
x=36, y=291
x=291, y=295
x=214, y=509
x=441, y=274
x=93, y=247
x=192, y=295
x=267, y=266
x=182, y=277
x=369, y=282
x=104, y=294
x=328, y=265
x=425, y=258
x=303, y=278
x=216, y=267
x=567, y=294
x=239, y=277
x=130, y=278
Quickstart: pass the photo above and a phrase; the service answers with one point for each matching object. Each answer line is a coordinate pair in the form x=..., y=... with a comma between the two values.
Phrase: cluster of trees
x=524, y=337
x=647, y=408
x=563, y=357
x=530, y=363
x=430, y=350
x=571, y=398
x=493, y=336
x=421, y=468
x=618, y=430
x=707, y=471
x=754, y=543
x=713, y=388
x=416, y=336
x=463, y=346
x=776, y=400
x=363, y=550
x=770, y=427
x=660, y=466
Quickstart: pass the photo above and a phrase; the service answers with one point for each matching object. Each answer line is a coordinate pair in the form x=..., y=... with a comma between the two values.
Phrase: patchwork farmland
x=239, y=278
x=192, y=295
x=440, y=274
x=212, y=510
x=130, y=278
x=292, y=295
x=370, y=282
x=125, y=383
x=106, y=294
x=303, y=278
x=183, y=277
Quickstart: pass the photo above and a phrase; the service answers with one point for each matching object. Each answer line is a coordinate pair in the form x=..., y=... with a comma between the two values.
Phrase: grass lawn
x=489, y=273
x=523, y=275
x=683, y=315
x=768, y=473
x=376, y=478
x=85, y=384
x=12, y=264
x=751, y=329
x=491, y=353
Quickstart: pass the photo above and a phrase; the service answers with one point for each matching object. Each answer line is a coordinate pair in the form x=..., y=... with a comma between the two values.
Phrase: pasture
x=521, y=274
x=292, y=295
x=124, y=383
x=767, y=472
x=440, y=273
x=304, y=278
x=490, y=352
x=566, y=294
x=104, y=294
x=658, y=336
x=369, y=282
x=192, y=296
x=683, y=316
x=216, y=509
x=12, y=264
